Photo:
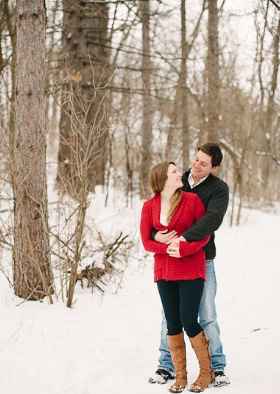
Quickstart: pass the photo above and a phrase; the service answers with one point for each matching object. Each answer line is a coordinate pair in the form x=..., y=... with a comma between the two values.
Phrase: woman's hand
x=173, y=249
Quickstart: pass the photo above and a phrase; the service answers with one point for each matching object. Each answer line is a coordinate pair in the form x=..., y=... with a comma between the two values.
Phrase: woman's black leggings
x=180, y=300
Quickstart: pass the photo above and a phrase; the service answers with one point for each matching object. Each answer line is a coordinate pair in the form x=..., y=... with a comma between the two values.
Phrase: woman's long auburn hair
x=158, y=177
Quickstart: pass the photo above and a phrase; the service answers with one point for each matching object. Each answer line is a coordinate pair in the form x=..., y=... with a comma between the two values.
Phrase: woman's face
x=174, y=178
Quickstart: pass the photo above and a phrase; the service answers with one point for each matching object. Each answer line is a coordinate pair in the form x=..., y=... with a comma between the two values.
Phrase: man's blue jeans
x=207, y=320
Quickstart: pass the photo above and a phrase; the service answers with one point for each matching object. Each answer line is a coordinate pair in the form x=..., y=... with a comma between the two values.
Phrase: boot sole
x=177, y=391
x=201, y=390
x=221, y=384
x=163, y=381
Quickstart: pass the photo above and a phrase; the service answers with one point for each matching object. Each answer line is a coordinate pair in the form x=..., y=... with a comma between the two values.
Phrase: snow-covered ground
x=109, y=344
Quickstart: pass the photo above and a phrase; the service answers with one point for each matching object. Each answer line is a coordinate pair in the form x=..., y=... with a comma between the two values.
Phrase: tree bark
x=84, y=118
x=32, y=273
x=269, y=137
x=146, y=162
x=10, y=22
x=213, y=82
x=184, y=94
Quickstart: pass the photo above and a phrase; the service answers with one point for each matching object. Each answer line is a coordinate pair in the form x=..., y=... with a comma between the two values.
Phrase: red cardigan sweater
x=192, y=263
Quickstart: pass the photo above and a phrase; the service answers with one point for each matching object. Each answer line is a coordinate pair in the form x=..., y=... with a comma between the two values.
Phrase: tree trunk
x=213, y=83
x=184, y=94
x=171, y=148
x=84, y=118
x=269, y=137
x=12, y=33
x=2, y=15
x=32, y=274
x=144, y=7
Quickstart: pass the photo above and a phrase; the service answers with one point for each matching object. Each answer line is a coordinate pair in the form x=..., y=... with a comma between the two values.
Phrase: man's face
x=201, y=166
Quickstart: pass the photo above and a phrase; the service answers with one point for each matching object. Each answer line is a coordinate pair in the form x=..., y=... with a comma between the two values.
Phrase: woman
x=179, y=280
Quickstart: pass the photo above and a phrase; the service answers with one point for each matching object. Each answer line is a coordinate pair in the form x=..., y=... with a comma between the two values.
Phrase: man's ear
x=216, y=170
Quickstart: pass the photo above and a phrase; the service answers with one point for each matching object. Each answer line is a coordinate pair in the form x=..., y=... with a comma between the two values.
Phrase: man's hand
x=173, y=249
x=164, y=237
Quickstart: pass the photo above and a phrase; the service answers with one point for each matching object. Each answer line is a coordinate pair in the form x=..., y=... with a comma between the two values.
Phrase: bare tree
x=86, y=73
x=270, y=111
x=180, y=117
x=213, y=82
x=184, y=92
x=144, y=7
x=11, y=28
x=32, y=273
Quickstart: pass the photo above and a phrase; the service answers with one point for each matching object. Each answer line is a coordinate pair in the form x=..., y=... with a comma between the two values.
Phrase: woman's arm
x=181, y=247
x=188, y=248
x=146, y=227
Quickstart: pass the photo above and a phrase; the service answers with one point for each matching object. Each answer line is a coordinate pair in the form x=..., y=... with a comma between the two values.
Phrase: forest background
x=93, y=93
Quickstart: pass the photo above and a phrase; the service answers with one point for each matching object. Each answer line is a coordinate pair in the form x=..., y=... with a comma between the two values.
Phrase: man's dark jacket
x=214, y=194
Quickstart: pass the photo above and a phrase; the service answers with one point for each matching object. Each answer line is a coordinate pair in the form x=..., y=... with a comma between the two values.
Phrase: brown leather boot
x=177, y=348
x=200, y=346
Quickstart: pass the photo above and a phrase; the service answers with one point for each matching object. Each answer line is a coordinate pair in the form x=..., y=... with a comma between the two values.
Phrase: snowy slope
x=109, y=345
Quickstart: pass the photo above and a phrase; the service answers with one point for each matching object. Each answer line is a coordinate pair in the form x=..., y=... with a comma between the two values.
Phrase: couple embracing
x=177, y=226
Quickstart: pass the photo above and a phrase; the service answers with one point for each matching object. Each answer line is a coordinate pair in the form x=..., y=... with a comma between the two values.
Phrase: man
x=215, y=195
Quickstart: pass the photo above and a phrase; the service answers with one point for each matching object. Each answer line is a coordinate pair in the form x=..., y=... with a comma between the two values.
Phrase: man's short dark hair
x=214, y=151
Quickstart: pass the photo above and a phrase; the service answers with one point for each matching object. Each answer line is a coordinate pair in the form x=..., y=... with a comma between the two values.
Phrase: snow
x=109, y=344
